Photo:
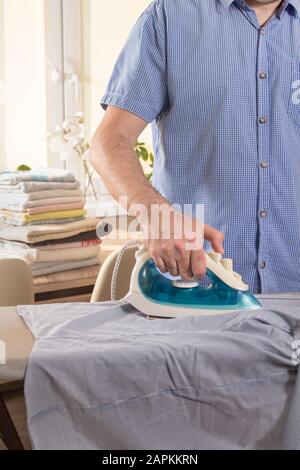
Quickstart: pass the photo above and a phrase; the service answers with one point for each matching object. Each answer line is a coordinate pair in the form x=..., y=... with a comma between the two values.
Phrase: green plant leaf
x=146, y=156
x=23, y=168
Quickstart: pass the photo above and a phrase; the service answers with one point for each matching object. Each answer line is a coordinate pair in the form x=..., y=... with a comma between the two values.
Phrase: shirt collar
x=294, y=3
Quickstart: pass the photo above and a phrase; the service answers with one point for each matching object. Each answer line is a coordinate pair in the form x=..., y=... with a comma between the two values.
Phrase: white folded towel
x=34, y=186
x=22, y=205
x=44, y=175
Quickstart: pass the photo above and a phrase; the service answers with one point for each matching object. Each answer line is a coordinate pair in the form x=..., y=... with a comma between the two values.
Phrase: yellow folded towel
x=27, y=218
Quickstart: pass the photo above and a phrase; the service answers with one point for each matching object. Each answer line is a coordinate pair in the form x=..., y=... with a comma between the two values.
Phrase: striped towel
x=64, y=246
x=84, y=237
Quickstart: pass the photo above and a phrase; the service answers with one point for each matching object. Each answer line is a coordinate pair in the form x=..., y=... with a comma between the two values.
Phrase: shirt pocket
x=294, y=101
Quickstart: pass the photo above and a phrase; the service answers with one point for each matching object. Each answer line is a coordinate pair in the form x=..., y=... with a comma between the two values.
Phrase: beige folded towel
x=40, y=269
x=40, y=233
x=35, y=255
x=65, y=276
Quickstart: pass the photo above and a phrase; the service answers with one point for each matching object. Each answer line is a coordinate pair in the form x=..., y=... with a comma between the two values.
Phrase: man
x=220, y=80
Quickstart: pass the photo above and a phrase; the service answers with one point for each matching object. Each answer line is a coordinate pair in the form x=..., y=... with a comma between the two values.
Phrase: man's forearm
x=114, y=158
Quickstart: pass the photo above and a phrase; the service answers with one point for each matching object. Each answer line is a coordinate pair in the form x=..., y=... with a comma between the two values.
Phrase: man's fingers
x=189, y=265
x=183, y=258
x=158, y=259
x=215, y=237
x=198, y=264
x=161, y=265
x=167, y=254
x=164, y=258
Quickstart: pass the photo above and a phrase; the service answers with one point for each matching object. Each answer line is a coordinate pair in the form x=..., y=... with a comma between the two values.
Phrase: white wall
x=106, y=26
x=23, y=66
x=2, y=89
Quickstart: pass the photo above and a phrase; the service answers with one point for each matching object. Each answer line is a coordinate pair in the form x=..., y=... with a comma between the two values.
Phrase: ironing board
x=19, y=343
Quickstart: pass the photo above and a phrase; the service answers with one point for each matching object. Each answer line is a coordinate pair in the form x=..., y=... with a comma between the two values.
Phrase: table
x=19, y=342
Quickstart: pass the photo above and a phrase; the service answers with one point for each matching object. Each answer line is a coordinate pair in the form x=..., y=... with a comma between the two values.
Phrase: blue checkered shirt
x=223, y=96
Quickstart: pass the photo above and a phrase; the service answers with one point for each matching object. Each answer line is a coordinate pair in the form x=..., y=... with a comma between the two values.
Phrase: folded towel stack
x=42, y=220
x=29, y=198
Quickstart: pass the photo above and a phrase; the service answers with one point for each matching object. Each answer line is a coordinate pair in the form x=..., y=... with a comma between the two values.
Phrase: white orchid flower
x=70, y=135
x=57, y=144
x=70, y=124
x=73, y=140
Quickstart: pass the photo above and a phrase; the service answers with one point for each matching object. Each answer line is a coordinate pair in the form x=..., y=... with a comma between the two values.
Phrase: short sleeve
x=139, y=80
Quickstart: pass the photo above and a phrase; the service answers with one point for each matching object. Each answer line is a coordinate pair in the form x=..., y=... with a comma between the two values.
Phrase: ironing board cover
x=101, y=376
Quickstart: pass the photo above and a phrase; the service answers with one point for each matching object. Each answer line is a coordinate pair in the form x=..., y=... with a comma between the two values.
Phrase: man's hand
x=181, y=255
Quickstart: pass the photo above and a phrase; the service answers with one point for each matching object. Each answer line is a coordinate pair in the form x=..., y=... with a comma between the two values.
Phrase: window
x=56, y=57
x=29, y=102
x=23, y=104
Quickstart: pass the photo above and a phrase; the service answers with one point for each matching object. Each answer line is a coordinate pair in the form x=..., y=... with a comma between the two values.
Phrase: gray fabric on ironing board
x=101, y=376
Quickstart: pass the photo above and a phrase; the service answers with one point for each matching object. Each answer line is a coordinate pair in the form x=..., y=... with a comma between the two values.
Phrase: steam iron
x=157, y=296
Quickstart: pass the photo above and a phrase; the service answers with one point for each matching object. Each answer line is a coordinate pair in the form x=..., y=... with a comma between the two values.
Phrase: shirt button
x=263, y=32
x=262, y=120
x=262, y=264
x=262, y=75
x=264, y=164
x=263, y=214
